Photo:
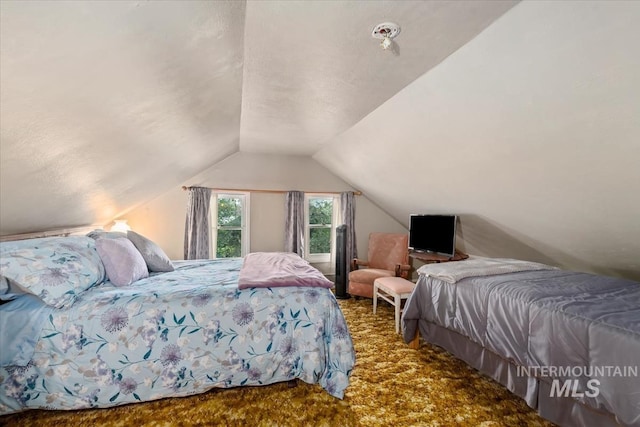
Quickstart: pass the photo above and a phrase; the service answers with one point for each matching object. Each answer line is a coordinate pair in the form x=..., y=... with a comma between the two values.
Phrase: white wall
x=162, y=219
x=105, y=105
x=530, y=132
x=267, y=222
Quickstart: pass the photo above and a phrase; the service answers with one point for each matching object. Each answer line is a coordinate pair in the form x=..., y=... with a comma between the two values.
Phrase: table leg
x=398, y=302
x=375, y=298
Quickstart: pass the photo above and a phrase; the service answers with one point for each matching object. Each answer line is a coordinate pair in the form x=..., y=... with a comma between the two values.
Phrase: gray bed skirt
x=563, y=411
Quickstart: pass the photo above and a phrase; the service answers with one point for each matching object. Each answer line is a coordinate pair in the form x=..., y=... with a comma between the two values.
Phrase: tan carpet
x=391, y=385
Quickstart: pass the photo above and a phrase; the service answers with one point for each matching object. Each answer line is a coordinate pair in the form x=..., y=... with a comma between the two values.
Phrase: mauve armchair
x=388, y=256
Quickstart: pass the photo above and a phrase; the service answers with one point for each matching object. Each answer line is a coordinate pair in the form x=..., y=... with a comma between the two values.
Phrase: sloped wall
x=530, y=132
x=98, y=97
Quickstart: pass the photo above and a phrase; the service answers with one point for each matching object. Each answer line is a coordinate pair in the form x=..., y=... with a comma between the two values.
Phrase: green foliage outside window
x=229, y=244
x=320, y=240
x=229, y=239
x=320, y=215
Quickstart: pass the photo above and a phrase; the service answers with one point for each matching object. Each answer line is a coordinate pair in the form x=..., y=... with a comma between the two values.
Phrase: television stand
x=429, y=257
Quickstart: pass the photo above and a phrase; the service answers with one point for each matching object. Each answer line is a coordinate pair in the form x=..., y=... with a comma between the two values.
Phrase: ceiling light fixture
x=386, y=31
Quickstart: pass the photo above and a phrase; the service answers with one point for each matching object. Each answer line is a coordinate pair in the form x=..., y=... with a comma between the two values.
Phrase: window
x=230, y=219
x=321, y=221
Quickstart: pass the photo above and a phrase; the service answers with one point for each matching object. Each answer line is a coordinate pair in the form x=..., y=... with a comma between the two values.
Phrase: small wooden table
x=429, y=257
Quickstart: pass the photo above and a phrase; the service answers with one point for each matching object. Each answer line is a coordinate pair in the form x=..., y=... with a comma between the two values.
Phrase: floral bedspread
x=181, y=333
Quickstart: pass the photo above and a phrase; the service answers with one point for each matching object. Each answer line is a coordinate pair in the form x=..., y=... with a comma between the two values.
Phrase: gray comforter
x=569, y=328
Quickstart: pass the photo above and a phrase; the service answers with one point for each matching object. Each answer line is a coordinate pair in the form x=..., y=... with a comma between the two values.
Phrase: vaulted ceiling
x=312, y=69
x=108, y=104
x=511, y=114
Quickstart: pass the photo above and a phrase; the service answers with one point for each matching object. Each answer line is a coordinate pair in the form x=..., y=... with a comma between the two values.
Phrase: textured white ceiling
x=107, y=104
x=522, y=119
x=530, y=132
x=312, y=69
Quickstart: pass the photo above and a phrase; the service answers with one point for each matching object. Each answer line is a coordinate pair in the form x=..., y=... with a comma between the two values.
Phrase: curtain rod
x=185, y=188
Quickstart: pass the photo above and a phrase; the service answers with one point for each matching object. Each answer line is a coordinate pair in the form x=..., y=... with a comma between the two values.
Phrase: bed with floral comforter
x=173, y=334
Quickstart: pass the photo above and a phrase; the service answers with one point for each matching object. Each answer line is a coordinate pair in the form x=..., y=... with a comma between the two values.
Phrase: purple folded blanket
x=276, y=269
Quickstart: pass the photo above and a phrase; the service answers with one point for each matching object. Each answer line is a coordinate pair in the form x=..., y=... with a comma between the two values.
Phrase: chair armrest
x=402, y=270
x=355, y=263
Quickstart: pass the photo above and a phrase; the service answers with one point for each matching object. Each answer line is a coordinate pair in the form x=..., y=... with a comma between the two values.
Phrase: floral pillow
x=56, y=269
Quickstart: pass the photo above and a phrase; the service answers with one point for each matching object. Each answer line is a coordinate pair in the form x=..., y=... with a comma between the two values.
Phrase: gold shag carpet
x=391, y=385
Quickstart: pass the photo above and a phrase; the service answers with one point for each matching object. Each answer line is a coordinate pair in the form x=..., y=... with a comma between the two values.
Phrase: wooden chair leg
x=398, y=302
x=415, y=342
x=375, y=298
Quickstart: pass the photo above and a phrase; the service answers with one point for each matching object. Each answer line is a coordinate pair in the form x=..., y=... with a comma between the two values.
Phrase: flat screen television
x=433, y=233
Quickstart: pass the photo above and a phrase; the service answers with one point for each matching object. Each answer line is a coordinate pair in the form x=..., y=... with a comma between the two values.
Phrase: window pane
x=229, y=243
x=229, y=211
x=320, y=211
x=320, y=240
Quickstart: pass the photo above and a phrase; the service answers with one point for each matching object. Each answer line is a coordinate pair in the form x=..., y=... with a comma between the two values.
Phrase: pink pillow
x=122, y=261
